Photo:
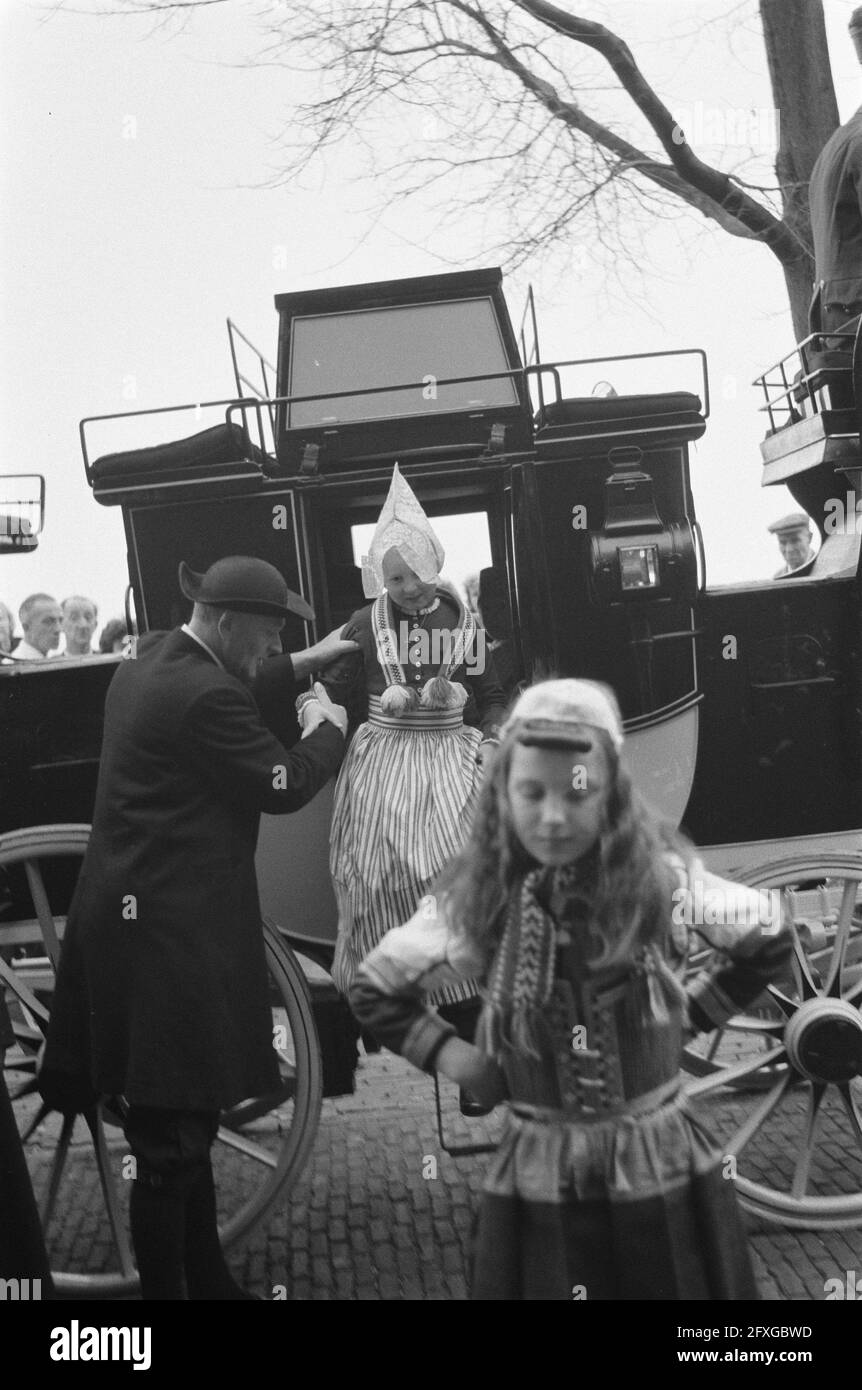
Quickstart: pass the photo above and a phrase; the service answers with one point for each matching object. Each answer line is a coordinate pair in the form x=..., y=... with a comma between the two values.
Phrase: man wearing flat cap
x=793, y=533
x=161, y=996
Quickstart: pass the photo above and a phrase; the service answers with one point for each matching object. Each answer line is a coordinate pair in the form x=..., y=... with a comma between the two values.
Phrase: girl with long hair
x=571, y=903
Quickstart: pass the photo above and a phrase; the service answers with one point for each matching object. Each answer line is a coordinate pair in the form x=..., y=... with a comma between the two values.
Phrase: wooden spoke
x=787, y=1005
x=34, y=1124
x=247, y=1147
x=95, y=1124
x=43, y=910
x=759, y=1114
x=762, y=1027
x=58, y=1164
x=853, y=1112
x=747, y=1067
x=842, y=937
x=802, y=1169
x=805, y=982
x=22, y=992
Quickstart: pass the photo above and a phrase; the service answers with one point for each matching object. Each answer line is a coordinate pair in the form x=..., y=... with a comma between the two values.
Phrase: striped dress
x=408, y=784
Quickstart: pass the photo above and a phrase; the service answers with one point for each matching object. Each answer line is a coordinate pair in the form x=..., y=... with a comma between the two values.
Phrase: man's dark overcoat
x=161, y=995
x=835, y=204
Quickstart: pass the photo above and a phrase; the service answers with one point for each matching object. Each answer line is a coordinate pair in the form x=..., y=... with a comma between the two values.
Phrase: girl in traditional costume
x=570, y=903
x=407, y=787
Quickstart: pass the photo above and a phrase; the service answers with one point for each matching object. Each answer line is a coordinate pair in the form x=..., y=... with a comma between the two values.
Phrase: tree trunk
x=803, y=93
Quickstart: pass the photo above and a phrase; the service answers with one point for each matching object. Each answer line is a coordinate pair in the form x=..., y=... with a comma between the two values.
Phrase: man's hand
x=323, y=653
x=475, y=1073
x=321, y=709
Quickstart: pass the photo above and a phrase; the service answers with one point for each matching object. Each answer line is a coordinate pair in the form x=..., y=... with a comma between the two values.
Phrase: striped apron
x=403, y=805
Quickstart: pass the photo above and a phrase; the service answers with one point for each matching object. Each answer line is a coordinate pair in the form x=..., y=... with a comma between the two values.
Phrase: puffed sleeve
x=387, y=996
x=344, y=679
x=751, y=944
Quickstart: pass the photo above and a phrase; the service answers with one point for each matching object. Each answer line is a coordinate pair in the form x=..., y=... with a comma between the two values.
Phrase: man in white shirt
x=40, y=616
x=80, y=616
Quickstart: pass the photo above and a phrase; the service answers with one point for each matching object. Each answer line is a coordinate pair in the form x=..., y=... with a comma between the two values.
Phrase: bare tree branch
x=519, y=111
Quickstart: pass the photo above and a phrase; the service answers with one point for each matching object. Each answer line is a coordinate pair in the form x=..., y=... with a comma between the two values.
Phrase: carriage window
x=407, y=344
x=465, y=539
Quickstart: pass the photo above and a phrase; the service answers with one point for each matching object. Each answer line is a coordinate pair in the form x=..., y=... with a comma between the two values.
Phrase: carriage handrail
x=633, y=357
x=519, y=375
x=794, y=381
x=529, y=309
x=233, y=332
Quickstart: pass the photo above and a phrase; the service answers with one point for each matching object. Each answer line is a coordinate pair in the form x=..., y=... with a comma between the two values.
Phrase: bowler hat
x=794, y=521
x=244, y=585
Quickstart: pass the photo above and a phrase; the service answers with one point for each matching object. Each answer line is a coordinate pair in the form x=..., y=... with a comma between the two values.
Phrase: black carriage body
x=742, y=703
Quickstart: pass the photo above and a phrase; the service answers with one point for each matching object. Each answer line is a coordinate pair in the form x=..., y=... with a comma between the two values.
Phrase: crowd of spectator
x=51, y=629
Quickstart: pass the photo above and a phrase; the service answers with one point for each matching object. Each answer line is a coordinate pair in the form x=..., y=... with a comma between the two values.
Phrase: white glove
x=315, y=712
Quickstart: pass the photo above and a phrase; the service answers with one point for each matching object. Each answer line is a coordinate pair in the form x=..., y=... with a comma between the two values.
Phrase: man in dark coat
x=835, y=205
x=161, y=995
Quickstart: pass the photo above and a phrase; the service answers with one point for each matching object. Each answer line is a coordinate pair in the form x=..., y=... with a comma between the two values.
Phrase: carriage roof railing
x=540, y=368
x=265, y=368
x=22, y=511
x=261, y=408
x=529, y=356
x=793, y=386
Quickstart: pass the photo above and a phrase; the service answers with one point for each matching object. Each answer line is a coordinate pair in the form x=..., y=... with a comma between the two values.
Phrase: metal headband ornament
x=556, y=710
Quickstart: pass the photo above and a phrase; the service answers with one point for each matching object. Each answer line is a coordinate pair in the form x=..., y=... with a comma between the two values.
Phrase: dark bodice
x=352, y=678
x=603, y=1041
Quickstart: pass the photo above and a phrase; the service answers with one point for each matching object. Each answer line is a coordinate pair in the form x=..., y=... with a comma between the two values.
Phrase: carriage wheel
x=782, y=1084
x=263, y=1143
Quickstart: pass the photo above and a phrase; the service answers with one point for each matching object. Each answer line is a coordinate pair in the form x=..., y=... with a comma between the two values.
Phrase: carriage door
x=293, y=851
x=606, y=557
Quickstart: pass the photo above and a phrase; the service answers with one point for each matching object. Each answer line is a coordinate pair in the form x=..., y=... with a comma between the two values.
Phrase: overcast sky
x=136, y=216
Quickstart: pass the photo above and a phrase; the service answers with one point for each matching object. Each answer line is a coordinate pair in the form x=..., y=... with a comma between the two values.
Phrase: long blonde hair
x=633, y=881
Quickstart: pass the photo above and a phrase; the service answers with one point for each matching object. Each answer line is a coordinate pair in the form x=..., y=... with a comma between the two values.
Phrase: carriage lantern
x=636, y=554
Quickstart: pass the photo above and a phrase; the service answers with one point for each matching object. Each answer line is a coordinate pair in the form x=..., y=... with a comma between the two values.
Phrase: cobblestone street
x=365, y=1224
x=382, y=1212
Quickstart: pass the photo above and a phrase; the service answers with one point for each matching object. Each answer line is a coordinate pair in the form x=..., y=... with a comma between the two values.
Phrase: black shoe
x=472, y=1108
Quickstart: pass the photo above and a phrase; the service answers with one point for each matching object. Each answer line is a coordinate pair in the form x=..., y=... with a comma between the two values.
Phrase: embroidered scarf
x=522, y=975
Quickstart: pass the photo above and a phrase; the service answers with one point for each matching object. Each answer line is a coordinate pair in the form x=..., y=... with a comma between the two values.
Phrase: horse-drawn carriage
x=743, y=703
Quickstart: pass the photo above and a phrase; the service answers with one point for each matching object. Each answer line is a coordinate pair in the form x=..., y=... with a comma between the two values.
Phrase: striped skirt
x=403, y=805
